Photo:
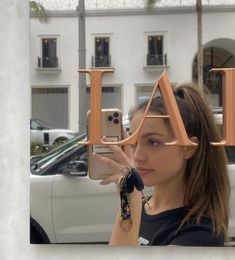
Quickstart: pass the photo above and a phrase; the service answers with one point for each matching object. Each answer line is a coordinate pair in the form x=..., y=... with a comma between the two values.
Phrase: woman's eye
x=153, y=142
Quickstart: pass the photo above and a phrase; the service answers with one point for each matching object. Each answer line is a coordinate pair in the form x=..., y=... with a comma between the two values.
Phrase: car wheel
x=60, y=140
x=35, y=237
x=37, y=234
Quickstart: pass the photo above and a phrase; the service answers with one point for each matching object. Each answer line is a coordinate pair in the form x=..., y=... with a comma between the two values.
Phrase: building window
x=111, y=97
x=102, y=57
x=50, y=104
x=155, y=55
x=143, y=93
x=49, y=57
x=214, y=57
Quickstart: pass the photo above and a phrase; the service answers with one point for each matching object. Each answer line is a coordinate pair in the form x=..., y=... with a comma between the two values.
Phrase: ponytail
x=207, y=183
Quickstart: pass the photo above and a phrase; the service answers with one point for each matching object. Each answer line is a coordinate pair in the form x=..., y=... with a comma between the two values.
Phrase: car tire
x=37, y=234
x=35, y=237
x=60, y=140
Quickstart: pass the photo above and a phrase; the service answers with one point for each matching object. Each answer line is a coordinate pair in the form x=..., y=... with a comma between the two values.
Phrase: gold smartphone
x=112, y=130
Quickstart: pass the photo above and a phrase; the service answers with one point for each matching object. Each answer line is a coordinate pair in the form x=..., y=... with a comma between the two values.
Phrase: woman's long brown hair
x=206, y=177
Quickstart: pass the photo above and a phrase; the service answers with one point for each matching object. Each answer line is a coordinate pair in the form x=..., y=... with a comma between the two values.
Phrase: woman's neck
x=165, y=198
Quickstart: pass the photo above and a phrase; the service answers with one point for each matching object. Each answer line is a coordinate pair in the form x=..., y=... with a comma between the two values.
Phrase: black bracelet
x=126, y=221
x=129, y=180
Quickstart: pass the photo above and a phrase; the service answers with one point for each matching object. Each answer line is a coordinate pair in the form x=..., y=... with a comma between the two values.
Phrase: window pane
x=155, y=44
x=143, y=93
x=49, y=47
x=102, y=57
x=155, y=50
x=49, y=56
x=51, y=106
x=111, y=97
x=101, y=46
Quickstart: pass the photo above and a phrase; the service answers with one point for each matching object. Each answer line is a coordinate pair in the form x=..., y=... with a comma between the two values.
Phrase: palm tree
x=150, y=3
x=199, y=45
x=39, y=11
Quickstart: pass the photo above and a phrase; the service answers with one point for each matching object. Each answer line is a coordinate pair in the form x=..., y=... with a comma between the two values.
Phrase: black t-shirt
x=162, y=229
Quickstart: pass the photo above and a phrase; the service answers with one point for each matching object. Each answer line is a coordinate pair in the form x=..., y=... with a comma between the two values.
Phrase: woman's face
x=157, y=163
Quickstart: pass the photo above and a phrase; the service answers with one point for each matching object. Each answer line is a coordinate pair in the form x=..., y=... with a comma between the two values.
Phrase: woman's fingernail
x=104, y=182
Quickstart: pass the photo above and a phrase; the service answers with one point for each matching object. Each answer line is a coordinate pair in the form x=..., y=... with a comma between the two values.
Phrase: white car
x=65, y=205
x=41, y=132
x=68, y=207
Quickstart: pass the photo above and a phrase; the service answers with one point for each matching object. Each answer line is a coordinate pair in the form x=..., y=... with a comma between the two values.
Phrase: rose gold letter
x=95, y=133
x=228, y=106
x=173, y=115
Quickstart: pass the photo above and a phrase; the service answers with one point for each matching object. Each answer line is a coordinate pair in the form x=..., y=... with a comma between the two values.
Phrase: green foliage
x=39, y=11
x=150, y=3
x=37, y=148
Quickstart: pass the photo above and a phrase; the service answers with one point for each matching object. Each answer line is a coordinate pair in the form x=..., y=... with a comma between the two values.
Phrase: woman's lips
x=144, y=171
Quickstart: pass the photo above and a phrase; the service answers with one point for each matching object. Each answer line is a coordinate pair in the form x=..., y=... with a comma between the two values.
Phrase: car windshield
x=36, y=124
x=55, y=154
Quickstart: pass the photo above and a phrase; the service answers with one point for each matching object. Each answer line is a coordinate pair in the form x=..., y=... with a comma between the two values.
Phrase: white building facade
x=136, y=44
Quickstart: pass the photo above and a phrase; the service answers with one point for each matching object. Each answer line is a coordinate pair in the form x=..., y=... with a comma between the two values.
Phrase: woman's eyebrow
x=149, y=134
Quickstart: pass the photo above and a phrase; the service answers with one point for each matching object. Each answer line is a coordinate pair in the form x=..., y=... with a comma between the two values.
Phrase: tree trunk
x=82, y=65
x=199, y=45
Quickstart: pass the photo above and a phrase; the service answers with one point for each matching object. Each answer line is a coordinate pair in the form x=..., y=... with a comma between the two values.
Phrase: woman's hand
x=122, y=158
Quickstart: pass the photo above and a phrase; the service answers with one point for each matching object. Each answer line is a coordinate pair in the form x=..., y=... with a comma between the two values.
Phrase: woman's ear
x=189, y=151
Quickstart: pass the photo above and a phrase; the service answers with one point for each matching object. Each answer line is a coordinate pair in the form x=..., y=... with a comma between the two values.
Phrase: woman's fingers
x=113, y=165
x=128, y=151
x=111, y=179
x=117, y=150
x=126, y=148
x=119, y=155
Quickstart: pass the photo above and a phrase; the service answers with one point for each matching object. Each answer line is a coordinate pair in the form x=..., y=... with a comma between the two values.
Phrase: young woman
x=189, y=204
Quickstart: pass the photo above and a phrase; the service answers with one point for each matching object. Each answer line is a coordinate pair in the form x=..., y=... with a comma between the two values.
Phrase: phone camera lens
x=116, y=121
x=115, y=114
x=110, y=118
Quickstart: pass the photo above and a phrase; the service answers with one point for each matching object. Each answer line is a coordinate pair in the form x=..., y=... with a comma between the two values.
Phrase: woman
x=189, y=204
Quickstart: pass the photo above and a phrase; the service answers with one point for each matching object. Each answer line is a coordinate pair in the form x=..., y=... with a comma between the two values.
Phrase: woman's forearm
x=122, y=237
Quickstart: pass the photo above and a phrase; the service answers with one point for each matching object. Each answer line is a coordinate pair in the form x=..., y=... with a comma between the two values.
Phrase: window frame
x=117, y=86
x=40, y=51
x=93, y=54
x=163, y=34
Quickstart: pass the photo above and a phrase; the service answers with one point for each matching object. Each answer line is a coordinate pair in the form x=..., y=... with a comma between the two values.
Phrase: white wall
x=14, y=128
x=66, y=28
x=128, y=47
x=128, y=41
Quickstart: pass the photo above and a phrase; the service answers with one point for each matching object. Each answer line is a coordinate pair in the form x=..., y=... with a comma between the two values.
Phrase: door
x=82, y=209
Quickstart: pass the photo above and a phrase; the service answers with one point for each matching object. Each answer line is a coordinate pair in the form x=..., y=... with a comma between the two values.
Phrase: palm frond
x=39, y=11
x=150, y=3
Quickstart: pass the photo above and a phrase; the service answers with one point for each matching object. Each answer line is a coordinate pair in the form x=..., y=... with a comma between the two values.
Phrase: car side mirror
x=34, y=159
x=76, y=168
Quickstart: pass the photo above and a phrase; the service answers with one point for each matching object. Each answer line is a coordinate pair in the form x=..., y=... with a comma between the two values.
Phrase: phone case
x=111, y=129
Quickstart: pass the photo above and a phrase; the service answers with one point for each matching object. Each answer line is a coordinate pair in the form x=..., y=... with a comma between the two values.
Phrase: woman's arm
x=122, y=159
x=121, y=237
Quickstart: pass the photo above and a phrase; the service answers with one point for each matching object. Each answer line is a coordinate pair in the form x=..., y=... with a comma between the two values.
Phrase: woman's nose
x=139, y=154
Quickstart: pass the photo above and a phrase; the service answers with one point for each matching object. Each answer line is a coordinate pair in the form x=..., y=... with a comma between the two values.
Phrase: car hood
x=60, y=131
